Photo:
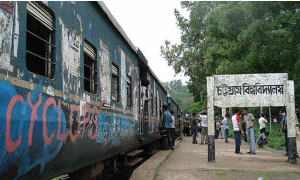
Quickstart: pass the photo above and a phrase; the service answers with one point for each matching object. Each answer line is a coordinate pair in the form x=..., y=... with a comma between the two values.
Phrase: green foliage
x=235, y=38
x=180, y=94
x=277, y=139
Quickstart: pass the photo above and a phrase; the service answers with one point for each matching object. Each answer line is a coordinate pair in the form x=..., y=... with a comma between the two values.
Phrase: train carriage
x=70, y=90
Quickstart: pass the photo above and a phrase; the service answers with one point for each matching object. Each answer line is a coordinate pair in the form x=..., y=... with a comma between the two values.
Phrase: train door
x=141, y=108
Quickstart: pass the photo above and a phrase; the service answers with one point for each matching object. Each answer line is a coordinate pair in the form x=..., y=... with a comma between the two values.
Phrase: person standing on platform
x=250, y=124
x=238, y=131
x=284, y=130
x=262, y=123
x=180, y=122
x=204, y=124
x=194, y=128
x=168, y=120
x=186, y=124
x=222, y=128
x=226, y=128
x=217, y=129
x=173, y=128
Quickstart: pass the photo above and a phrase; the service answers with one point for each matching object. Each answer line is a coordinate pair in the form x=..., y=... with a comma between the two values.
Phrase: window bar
x=40, y=57
x=90, y=67
x=40, y=38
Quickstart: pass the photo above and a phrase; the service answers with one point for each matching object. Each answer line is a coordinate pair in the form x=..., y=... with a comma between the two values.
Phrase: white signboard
x=250, y=90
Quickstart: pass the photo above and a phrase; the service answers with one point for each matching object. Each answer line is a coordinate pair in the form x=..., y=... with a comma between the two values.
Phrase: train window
x=115, y=83
x=128, y=79
x=39, y=40
x=90, y=68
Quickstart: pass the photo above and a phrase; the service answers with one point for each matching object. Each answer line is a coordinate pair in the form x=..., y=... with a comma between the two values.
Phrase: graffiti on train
x=33, y=127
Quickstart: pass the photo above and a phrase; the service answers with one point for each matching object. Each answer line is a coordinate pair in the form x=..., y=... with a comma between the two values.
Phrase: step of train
x=134, y=162
x=134, y=153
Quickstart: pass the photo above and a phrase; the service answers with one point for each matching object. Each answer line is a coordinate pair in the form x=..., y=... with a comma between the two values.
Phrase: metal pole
x=270, y=118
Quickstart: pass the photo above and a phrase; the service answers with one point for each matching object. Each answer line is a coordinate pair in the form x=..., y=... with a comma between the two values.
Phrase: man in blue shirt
x=167, y=118
x=225, y=122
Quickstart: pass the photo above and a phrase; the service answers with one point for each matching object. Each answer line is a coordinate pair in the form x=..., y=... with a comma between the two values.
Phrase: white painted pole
x=223, y=112
x=291, y=122
x=270, y=118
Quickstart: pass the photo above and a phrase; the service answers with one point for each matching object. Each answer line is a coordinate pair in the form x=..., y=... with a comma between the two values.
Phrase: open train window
x=90, y=68
x=128, y=79
x=115, y=83
x=39, y=40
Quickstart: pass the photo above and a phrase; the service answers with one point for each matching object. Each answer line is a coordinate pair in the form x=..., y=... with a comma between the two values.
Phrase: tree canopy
x=180, y=94
x=235, y=38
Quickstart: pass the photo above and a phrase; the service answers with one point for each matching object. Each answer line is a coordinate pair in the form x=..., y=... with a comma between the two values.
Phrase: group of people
x=222, y=125
x=241, y=126
x=168, y=127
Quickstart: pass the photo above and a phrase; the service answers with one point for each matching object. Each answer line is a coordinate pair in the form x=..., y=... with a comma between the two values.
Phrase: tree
x=235, y=38
x=179, y=93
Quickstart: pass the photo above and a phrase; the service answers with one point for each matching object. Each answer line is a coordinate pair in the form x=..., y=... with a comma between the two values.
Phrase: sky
x=148, y=24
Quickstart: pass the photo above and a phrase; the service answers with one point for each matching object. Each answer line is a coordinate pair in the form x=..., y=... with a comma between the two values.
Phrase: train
x=72, y=91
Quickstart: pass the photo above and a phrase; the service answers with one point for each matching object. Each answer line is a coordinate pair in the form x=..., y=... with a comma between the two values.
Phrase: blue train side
x=55, y=118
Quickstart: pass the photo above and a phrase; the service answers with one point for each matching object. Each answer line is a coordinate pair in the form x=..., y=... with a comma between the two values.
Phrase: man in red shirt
x=238, y=131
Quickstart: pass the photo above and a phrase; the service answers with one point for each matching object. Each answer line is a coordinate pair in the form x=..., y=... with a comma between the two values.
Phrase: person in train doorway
x=226, y=127
x=173, y=128
x=204, y=124
x=238, y=130
x=194, y=128
x=250, y=124
x=167, y=118
x=180, y=123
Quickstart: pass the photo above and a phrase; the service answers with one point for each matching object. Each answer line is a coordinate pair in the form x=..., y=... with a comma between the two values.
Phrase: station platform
x=189, y=161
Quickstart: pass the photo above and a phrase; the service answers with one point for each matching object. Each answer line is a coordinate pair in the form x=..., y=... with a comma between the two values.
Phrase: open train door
x=144, y=105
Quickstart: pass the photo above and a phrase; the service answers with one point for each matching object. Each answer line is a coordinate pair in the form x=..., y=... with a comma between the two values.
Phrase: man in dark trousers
x=194, y=128
x=284, y=129
x=168, y=120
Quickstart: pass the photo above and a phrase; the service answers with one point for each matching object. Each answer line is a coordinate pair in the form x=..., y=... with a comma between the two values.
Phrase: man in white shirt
x=173, y=128
x=204, y=124
x=262, y=123
x=222, y=128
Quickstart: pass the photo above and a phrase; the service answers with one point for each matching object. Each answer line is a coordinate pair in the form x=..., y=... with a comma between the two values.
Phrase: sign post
x=251, y=90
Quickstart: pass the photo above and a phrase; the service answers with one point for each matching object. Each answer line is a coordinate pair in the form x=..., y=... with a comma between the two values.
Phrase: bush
x=277, y=140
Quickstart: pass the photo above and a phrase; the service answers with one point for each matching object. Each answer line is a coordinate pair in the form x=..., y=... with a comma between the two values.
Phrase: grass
x=277, y=139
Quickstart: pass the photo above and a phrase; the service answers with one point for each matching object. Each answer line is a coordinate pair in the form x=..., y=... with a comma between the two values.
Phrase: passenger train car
x=70, y=90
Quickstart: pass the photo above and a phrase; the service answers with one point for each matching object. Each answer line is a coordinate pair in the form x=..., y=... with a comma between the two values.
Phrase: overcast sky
x=148, y=24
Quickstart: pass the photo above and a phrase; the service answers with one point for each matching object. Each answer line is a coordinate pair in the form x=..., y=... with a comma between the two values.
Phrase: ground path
x=189, y=161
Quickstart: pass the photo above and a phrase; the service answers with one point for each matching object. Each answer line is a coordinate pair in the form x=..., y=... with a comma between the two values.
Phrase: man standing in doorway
x=204, y=124
x=168, y=120
x=250, y=124
x=226, y=127
x=238, y=131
